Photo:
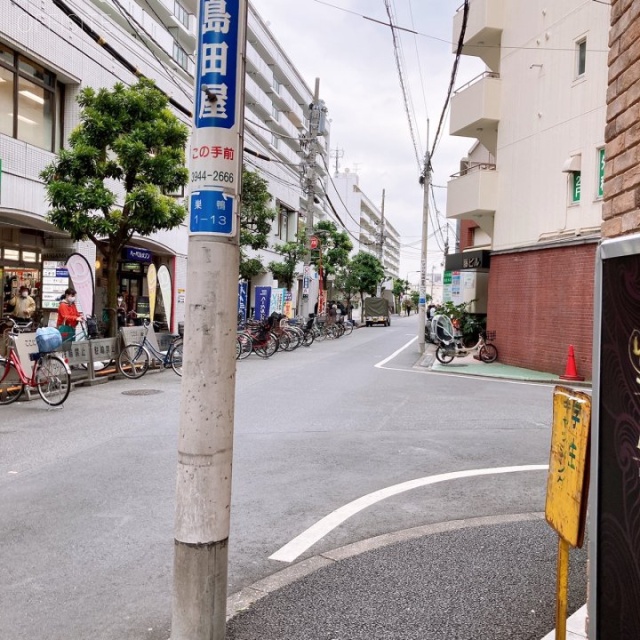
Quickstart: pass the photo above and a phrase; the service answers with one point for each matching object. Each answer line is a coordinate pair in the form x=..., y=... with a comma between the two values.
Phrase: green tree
x=335, y=246
x=367, y=272
x=293, y=253
x=255, y=222
x=347, y=284
x=400, y=287
x=130, y=137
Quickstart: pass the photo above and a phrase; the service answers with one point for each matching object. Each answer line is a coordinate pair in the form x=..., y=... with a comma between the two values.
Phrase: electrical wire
x=454, y=73
x=448, y=42
x=420, y=74
x=129, y=19
x=357, y=222
x=403, y=87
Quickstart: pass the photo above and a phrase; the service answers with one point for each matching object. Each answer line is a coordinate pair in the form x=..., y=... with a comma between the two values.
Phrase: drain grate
x=141, y=392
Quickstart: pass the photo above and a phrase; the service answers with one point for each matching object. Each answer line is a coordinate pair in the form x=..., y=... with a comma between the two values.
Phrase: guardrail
x=476, y=166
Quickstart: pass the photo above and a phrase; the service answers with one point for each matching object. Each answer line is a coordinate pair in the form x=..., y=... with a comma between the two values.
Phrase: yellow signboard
x=567, y=482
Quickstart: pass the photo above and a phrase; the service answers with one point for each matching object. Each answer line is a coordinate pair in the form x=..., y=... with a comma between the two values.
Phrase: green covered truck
x=376, y=311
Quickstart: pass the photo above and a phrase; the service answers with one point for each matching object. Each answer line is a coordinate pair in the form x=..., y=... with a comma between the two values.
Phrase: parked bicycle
x=134, y=359
x=451, y=345
x=257, y=334
x=50, y=374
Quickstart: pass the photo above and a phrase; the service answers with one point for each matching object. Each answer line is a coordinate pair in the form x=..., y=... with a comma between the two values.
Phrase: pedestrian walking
x=23, y=304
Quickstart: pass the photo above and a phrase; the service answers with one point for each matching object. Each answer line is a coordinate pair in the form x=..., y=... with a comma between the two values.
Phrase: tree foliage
x=111, y=182
x=366, y=273
x=255, y=222
x=335, y=246
x=285, y=272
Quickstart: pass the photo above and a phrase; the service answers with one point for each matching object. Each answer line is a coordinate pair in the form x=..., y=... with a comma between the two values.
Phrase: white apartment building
x=529, y=194
x=50, y=50
x=368, y=229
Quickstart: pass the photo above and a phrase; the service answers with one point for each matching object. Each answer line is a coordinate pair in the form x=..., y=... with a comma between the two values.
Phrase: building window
x=284, y=215
x=180, y=55
x=276, y=86
x=581, y=57
x=600, y=192
x=30, y=101
x=576, y=186
x=275, y=141
x=181, y=13
x=275, y=114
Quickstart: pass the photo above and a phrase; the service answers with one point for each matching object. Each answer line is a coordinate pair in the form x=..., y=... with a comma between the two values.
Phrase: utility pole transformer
x=205, y=444
x=425, y=180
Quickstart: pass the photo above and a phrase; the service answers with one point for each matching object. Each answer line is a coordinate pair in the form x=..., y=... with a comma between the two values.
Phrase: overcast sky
x=354, y=59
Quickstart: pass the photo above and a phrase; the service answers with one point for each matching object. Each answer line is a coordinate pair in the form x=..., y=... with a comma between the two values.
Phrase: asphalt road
x=87, y=492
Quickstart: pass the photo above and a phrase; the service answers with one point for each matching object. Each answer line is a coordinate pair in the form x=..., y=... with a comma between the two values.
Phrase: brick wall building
x=621, y=211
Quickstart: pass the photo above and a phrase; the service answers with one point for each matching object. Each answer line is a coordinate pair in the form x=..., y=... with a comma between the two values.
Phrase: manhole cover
x=141, y=392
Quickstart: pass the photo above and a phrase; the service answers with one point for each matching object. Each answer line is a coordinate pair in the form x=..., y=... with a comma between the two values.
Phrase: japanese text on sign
x=215, y=141
x=565, y=508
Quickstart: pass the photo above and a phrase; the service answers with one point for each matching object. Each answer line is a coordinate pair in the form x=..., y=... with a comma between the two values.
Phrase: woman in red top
x=67, y=311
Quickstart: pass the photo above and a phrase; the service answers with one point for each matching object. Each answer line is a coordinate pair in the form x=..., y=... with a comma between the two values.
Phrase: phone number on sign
x=218, y=176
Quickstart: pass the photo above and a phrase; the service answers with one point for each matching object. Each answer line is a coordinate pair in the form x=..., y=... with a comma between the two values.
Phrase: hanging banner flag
x=277, y=300
x=242, y=301
x=263, y=303
x=81, y=275
x=152, y=282
x=164, y=281
x=288, y=304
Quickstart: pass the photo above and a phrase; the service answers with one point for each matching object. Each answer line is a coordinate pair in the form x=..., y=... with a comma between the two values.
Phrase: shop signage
x=242, y=300
x=468, y=260
x=263, y=302
x=55, y=280
x=137, y=255
x=215, y=148
x=614, y=527
x=601, y=173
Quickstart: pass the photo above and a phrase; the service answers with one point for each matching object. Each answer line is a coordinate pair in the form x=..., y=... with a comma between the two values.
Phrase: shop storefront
x=145, y=283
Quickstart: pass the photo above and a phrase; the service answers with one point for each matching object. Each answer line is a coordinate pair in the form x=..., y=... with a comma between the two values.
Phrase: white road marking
x=316, y=532
x=395, y=353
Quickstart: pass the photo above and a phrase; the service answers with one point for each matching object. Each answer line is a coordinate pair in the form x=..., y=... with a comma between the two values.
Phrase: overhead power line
x=454, y=73
x=403, y=87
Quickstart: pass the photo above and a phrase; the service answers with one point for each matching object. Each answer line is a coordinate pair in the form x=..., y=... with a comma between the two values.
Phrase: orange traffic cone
x=570, y=372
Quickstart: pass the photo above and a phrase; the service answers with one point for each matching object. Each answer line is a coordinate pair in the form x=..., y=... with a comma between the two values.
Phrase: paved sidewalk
x=469, y=366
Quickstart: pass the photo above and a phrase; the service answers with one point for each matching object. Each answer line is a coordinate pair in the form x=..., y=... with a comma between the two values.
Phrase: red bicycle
x=50, y=374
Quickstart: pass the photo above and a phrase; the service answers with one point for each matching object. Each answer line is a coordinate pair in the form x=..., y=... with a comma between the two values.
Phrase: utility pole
x=337, y=154
x=205, y=442
x=425, y=181
x=381, y=243
x=317, y=127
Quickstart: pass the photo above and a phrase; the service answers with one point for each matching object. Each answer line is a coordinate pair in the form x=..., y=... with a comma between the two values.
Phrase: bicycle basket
x=490, y=335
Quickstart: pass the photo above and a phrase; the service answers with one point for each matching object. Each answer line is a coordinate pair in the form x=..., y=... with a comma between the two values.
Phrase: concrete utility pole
x=425, y=180
x=205, y=444
x=308, y=167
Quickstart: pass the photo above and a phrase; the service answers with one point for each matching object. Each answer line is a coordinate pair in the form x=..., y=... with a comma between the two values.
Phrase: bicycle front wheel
x=444, y=355
x=53, y=380
x=11, y=386
x=244, y=346
x=133, y=361
x=488, y=353
x=176, y=358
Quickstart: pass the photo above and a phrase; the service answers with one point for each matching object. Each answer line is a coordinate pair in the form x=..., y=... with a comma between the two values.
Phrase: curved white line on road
x=316, y=532
x=395, y=353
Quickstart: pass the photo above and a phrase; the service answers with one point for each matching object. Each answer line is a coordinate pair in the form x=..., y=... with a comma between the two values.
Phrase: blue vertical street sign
x=215, y=142
x=242, y=300
x=263, y=303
